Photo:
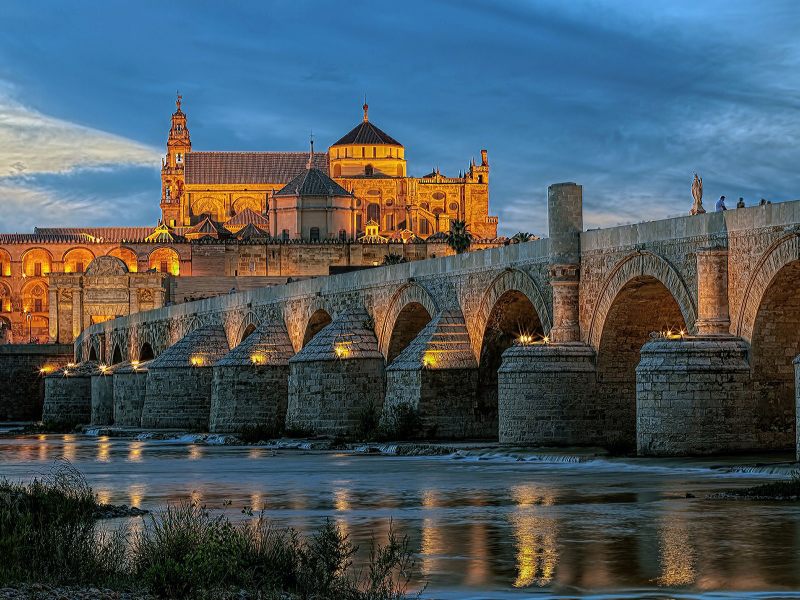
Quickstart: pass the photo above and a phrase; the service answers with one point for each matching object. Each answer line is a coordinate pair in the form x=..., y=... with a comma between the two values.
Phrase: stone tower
x=172, y=167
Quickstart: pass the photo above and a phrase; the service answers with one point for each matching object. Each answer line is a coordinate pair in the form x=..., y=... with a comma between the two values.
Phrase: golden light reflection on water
x=195, y=451
x=677, y=555
x=104, y=450
x=536, y=535
x=44, y=449
x=70, y=448
x=103, y=496
x=431, y=545
x=255, y=452
x=135, y=451
x=136, y=494
x=341, y=502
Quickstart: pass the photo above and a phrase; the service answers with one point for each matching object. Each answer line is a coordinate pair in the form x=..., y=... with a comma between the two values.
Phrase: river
x=487, y=523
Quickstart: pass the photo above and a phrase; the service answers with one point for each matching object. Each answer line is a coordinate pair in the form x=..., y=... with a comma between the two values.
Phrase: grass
x=778, y=490
x=48, y=535
x=400, y=421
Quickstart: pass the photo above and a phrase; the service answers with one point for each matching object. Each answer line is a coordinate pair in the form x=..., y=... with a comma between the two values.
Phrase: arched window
x=453, y=207
x=423, y=227
x=369, y=170
x=337, y=169
x=399, y=170
x=363, y=152
x=342, y=235
x=374, y=152
x=374, y=212
x=480, y=178
x=424, y=206
x=313, y=234
x=390, y=222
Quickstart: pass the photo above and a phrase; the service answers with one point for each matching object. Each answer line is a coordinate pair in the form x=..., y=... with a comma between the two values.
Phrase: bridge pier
x=179, y=381
x=693, y=396
x=251, y=383
x=103, y=397
x=796, y=363
x=68, y=393
x=546, y=395
x=337, y=378
x=130, y=389
x=437, y=374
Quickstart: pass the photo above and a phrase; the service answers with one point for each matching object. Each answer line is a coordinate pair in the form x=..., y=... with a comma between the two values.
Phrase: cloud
x=31, y=143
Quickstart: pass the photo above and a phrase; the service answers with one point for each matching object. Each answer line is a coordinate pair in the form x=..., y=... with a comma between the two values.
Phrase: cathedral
x=313, y=196
x=239, y=221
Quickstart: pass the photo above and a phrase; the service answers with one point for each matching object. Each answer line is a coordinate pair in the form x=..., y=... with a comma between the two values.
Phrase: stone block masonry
x=22, y=381
x=693, y=396
x=130, y=389
x=68, y=394
x=103, y=398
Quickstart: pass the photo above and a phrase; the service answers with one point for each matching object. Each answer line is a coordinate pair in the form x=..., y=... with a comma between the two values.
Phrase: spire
x=365, y=107
x=178, y=101
x=311, y=154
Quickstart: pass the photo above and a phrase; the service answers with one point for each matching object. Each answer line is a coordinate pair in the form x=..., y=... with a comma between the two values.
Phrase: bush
x=65, y=426
x=48, y=535
x=401, y=421
x=260, y=432
x=367, y=422
x=777, y=489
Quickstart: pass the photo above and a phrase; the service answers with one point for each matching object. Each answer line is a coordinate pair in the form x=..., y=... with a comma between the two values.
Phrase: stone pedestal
x=251, y=384
x=68, y=394
x=337, y=378
x=693, y=397
x=712, y=292
x=103, y=398
x=546, y=395
x=437, y=374
x=130, y=388
x=179, y=381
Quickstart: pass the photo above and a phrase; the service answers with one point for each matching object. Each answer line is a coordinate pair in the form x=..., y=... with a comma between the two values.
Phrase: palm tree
x=459, y=237
x=521, y=236
x=393, y=259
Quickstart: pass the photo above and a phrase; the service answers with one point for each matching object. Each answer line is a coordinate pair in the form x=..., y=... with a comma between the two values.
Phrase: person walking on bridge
x=740, y=203
x=721, y=204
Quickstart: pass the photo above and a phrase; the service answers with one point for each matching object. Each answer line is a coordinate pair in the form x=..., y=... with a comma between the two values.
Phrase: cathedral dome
x=365, y=133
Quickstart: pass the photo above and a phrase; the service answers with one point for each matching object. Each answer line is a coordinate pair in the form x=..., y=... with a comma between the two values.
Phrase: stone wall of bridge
x=732, y=275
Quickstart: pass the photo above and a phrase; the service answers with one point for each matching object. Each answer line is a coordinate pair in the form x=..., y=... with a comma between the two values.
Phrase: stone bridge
x=547, y=342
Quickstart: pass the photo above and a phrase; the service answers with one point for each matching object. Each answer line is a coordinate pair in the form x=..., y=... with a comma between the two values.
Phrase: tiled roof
x=366, y=133
x=251, y=231
x=200, y=348
x=125, y=368
x=248, y=215
x=312, y=182
x=268, y=345
x=86, y=368
x=206, y=227
x=248, y=167
x=108, y=234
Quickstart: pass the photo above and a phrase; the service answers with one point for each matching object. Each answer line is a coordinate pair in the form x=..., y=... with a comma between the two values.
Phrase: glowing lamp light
x=257, y=359
x=341, y=351
x=429, y=359
x=196, y=361
x=103, y=368
x=70, y=364
x=546, y=339
x=135, y=363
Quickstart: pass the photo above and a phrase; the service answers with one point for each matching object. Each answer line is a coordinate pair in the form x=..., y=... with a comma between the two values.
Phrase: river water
x=487, y=524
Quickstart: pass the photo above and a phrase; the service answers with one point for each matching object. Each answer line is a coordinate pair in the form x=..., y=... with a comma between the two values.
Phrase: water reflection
x=535, y=532
x=481, y=529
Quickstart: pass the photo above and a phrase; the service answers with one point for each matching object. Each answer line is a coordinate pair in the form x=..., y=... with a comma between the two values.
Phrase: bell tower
x=172, y=169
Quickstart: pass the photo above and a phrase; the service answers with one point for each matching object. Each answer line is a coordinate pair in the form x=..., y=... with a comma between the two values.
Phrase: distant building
x=243, y=220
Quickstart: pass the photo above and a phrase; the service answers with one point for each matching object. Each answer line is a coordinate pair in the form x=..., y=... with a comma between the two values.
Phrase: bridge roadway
x=545, y=342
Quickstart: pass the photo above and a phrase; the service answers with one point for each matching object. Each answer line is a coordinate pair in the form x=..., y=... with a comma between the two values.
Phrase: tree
x=522, y=236
x=393, y=259
x=459, y=237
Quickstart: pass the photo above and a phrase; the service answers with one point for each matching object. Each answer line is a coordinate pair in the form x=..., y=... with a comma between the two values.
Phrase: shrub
x=367, y=422
x=260, y=432
x=64, y=426
x=777, y=489
x=401, y=421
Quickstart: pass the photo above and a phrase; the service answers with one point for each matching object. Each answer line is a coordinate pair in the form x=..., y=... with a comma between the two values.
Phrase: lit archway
x=77, y=259
x=5, y=297
x=165, y=260
x=318, y=321
x=37, y=262
x=409, y=322
x=643, y=305
x=5, y=263
x=127, y=256
x=775, y=343
x=35, y=297
x=512, y=315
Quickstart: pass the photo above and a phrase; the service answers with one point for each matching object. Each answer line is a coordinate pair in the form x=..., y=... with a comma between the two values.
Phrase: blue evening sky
x=625, y=97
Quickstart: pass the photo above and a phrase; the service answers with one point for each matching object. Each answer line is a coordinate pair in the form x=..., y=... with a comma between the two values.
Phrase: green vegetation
x=401, y=421
x=48, y=535
x=522, y=236
x=52, y=427
x=788, y=489
x=393, y=259
x=459, y=237
x=260, y=432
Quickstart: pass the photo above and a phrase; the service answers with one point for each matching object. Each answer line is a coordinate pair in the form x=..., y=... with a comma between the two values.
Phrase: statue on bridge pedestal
x=697, y=193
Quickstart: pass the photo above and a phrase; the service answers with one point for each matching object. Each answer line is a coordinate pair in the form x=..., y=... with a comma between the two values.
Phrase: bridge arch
x=510, y=280
x=770, y=321
x=317, y=318
x=405, y=318
x=116, y=355
x=640, y=264
x=76, y=259
x=249, y=324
